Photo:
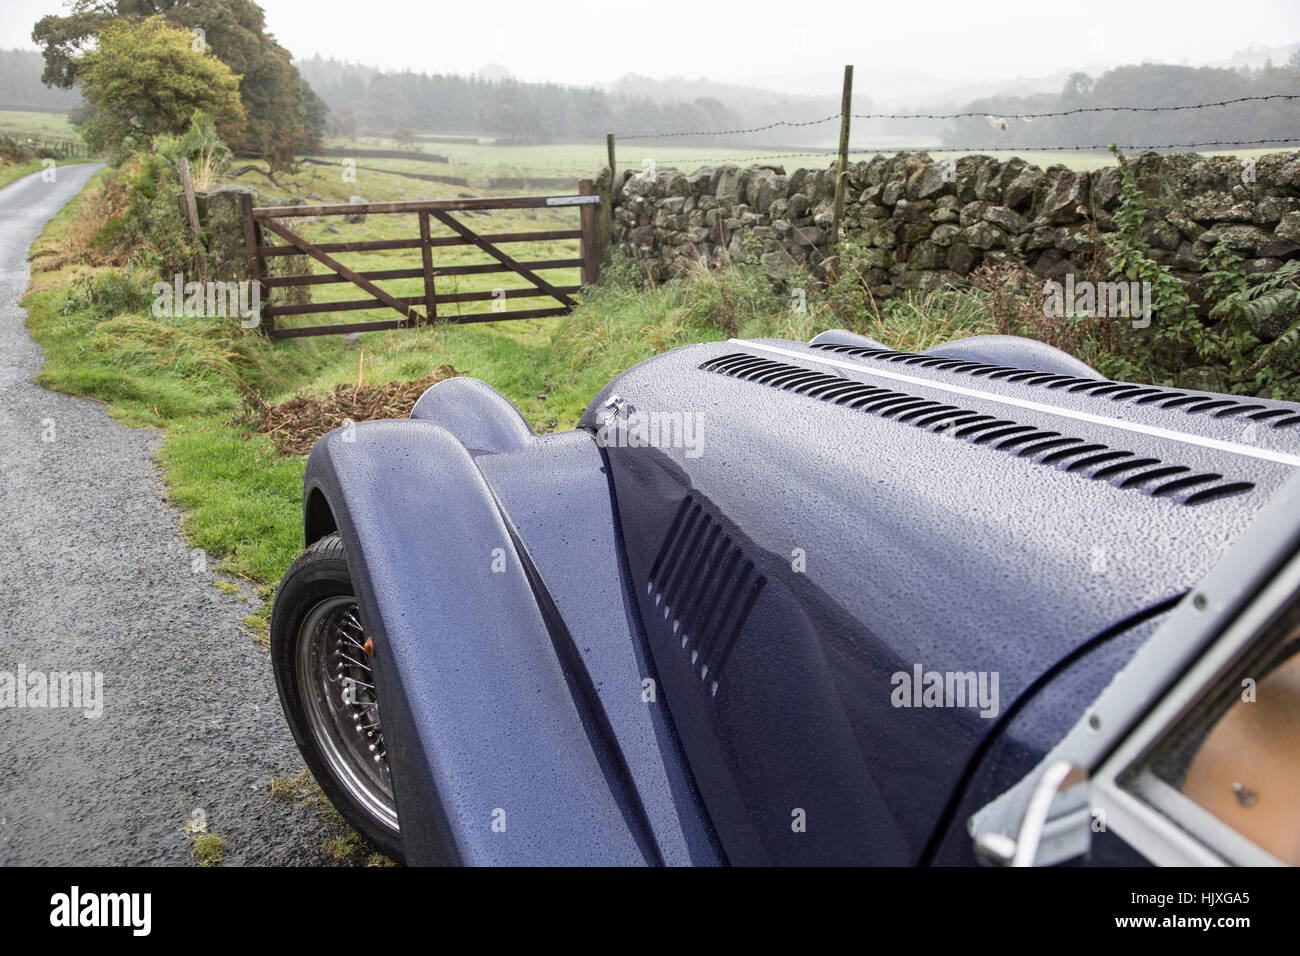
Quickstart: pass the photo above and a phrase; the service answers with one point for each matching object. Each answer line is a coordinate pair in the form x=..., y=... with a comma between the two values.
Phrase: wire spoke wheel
x=334, y=674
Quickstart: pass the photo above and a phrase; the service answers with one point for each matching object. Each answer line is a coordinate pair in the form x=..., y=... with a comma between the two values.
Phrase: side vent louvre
x=1096, y=387
x=701, y=588
x=1120, y=468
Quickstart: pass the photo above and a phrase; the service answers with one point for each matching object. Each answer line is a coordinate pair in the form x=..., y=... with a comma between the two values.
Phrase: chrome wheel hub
x=338, y=690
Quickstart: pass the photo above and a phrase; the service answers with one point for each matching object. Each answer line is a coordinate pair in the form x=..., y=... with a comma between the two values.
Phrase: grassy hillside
x=22, y=135
x=479, y=163
x=20, y=124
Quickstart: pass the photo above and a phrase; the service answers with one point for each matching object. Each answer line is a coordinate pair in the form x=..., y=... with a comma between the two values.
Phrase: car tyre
x=321, y=658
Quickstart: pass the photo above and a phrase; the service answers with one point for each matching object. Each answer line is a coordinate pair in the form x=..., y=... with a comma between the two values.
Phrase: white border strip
x=1151, y=430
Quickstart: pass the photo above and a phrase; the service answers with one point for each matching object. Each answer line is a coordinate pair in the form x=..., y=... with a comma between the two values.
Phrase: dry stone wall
x=922, y=224
x=221, y=216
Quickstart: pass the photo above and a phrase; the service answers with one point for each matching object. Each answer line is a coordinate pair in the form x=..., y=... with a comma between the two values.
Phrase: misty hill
x=894, y=90
x=1151, y=84
x=679, y=89
x=1255, y=56
x=21, y=86
x=363, y=99
x=494, y=72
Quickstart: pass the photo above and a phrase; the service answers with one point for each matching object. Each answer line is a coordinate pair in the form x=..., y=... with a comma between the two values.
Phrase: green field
x=557, y=160
x=479, y=163
x=583, y=161
x=32, y=129
x=21, y=124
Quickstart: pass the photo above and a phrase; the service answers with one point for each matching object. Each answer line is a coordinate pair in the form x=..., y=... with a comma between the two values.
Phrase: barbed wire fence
x=1000, y=122
x=830, y=153
x=968, y=114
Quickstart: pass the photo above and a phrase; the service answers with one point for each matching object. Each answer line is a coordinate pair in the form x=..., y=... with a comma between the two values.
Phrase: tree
x=313, y=116
x=403, y=137
x=64, y=39
x=344, y=124
x=282, y=112
x=1077, y=88
x=1148, y=85
x=514, y=110
x=145, y=79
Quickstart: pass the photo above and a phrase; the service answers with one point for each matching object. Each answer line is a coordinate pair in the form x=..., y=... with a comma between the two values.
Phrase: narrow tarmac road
x=95, y=579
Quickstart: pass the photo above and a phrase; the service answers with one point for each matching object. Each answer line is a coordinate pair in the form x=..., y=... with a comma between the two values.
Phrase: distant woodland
x=364, y=100
x=1146, y=85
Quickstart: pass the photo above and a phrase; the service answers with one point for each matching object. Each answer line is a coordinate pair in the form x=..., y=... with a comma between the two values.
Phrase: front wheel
x=322, y=660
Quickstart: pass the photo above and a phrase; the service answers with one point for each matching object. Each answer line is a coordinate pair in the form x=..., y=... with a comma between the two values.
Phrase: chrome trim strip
x=1150, y=430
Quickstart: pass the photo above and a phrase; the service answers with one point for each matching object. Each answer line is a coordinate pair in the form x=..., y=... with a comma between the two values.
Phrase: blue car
x=776, y=602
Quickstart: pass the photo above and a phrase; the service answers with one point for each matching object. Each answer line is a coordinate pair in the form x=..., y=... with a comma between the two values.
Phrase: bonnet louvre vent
x=1122, y=469
x=701, y=590
x=1215, y=406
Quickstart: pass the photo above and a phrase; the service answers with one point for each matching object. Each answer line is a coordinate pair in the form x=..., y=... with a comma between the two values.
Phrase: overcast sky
x=580, y=42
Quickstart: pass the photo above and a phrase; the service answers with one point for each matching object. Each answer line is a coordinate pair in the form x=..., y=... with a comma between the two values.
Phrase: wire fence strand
x=1081, y=109
x=967, y=114
x=789, y=124
x=831, y=154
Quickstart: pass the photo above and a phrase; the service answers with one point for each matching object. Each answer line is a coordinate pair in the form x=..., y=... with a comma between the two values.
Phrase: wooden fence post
x=192, y=212
x=590, y=238
x=256, y=264
x=846, y=107
x=426, y=259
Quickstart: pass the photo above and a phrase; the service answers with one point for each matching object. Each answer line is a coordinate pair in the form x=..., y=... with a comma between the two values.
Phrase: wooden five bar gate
x=261, y=220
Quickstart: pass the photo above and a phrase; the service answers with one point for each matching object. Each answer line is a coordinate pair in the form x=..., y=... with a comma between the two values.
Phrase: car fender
x=490, y=761
x=514, y=731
